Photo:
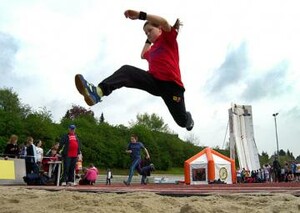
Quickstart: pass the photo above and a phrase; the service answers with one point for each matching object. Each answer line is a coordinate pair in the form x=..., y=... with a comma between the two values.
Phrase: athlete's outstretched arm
x=133, y=14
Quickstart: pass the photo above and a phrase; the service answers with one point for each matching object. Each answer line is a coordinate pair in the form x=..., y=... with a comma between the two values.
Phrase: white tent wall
x=222, y=169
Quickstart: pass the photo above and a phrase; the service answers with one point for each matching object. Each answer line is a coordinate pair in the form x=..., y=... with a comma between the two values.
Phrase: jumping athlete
x=163, y=77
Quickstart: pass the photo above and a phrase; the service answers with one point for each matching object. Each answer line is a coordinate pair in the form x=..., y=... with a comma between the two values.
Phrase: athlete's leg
x=126, y=76
x=173, y=96
x=133, y=166
x=131, y=77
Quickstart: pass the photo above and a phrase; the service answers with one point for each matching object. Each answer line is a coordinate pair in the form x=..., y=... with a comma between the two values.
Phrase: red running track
x=182, y=189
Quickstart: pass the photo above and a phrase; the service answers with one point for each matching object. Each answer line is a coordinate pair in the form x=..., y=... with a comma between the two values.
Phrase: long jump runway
x=182, y=189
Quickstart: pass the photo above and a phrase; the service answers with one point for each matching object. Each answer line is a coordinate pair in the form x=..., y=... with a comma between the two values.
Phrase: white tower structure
x=241, y=139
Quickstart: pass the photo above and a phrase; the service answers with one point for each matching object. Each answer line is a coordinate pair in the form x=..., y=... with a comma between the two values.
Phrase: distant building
x=241, y=141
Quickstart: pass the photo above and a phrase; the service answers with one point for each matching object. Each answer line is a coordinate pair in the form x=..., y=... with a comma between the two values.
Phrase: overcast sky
x=234, y=51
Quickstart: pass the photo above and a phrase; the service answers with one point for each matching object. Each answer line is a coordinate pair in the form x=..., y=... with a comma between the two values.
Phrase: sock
x=99, y=91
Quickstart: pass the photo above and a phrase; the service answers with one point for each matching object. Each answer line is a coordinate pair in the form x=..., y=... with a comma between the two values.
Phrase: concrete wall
x=19, y=171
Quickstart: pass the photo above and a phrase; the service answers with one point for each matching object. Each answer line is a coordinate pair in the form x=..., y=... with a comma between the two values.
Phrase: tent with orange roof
x=209, y=166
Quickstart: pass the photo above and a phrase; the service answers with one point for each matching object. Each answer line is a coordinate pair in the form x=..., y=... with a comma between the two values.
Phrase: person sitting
x=146, y=167
x=52, y=157
x=90, y=176
x=55, y=146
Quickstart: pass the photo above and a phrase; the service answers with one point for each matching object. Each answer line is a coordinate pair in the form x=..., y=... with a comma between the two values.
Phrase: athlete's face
x=132, y=139
x=152, y=32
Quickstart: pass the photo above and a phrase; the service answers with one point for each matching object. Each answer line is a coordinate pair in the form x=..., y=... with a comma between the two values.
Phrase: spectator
x=90, y=176
x=293, y=170
x=31, y=157
x=266, y=169
x=109, y=176
x=297, y=173
x=70, y=150
x=239, y=175
x=39, y=152
x=52, y=157
x=146, y=163
x=78, y=167
x=243, y=175
x=276, y=170
x=55, y=146
x=12, y=148
x=23, y=150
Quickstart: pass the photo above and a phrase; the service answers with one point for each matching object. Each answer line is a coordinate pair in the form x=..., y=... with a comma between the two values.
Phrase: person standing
x=23, y=150
x=239, y=175
x=12, y=148
x=70, y=150
x=266, y=169
x=31, y=157
x=108, y=176
x=163, y=78
x=134, y=149
x=39, y=152
x=276, y=169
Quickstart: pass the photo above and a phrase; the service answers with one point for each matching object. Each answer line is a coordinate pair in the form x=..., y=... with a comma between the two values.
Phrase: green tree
x=9, y=101
x=77, y=111
x=102, y=144
x=282, y=152
x=290, y=154
x=39, y=125
x=153, y=122
x=264, y=158
x=10, y=113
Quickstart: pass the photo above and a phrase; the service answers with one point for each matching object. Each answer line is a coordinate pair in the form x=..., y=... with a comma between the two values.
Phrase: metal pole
x=275, y=114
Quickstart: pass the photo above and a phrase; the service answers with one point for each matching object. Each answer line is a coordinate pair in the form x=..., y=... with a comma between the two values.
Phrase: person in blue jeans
x=134, y=149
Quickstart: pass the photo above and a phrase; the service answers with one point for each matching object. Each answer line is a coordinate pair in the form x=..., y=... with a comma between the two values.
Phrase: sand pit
x=15, y=199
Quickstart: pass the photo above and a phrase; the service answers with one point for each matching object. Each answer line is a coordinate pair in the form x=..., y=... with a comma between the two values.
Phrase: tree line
x=103, y=144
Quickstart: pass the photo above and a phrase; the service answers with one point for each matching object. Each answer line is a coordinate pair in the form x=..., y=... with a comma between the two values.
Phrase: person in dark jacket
x=70, y=150
x=12, y=149
x=276, y=169
x=31, y=157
